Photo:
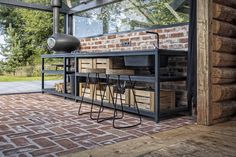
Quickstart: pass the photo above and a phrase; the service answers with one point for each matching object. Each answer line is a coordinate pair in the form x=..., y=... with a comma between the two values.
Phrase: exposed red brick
x=41, y=135
x=174, y=35
x=103, y=138
x=58, y=130
x=44, y=142
x=183, y=40
x=76, y=130
x=142, y=33
x=87, y=39
x=14, y=135
x=67, y=143
x=170, y=29
x=22, y=155
x=4, y=128
x=6, y=146
x=98, y=42
x=58, y=137
x=41, y=152
x=111, y=46
x=20, y=141
x=6, y=132
x=111, y=36
x=18, y=150
x=96, y=131
x=146, y=38
x=70, y=151
x=124, y=40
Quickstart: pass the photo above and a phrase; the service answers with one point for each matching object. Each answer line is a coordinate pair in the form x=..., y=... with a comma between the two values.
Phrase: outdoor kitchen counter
x=107, y=54
x=154, y=78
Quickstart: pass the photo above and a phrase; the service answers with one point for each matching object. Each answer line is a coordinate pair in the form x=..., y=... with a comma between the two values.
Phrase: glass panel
x=71, y=3
x=128, y=15
x=42, y=2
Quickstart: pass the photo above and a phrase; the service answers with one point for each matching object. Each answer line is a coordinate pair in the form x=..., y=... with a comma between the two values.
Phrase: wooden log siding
x=224, y=29
x=223, y=59
x=223, y=75
x=230, y=3
x=223, y=13
x=223, y=92
x=223, y=71
x=223, y=109
x=224, y=44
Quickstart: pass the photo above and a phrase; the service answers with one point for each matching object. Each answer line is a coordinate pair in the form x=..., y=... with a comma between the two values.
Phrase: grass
x=25, y=78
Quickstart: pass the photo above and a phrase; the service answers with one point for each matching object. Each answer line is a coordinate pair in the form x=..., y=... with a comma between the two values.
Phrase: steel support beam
x=33, y=6
x=91, y=5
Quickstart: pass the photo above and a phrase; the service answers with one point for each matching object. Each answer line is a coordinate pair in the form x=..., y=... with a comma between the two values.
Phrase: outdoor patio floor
x=46, y=125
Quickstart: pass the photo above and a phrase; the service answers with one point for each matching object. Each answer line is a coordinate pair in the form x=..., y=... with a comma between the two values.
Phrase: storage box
x=145, y=99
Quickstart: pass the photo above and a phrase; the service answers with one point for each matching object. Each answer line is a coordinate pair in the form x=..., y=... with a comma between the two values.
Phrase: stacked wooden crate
x=144, y=98
x=100, y=63
x=59, y=87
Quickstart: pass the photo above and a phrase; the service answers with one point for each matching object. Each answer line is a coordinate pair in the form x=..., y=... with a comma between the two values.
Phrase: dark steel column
x=56, y=5
x=70, y=24
x=42, y=76
x=157, y=88
x=65, y=75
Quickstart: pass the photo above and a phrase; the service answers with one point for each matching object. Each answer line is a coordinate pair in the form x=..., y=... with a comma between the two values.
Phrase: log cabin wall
x=216, y=60
x=223, y=72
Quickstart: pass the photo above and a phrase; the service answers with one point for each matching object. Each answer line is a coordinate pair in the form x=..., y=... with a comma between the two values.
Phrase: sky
x=1, y=42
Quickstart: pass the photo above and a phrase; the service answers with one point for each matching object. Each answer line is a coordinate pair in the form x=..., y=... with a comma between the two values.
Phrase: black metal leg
x=99, y=119
x=135, y=105
x=43, y=75
x=82, y=99
x=93, y=96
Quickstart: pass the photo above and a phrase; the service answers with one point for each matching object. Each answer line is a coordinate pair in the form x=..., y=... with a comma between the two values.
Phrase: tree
x=26, y=32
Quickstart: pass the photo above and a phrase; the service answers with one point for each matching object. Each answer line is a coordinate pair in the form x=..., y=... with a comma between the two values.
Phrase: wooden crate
x=145, y=100
x=167, y=100
x=59, y=87
x=124, y=97
x=100, y=63
x=88, y=91
x=98, y=94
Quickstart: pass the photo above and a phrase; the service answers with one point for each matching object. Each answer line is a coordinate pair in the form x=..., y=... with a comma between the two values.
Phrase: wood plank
x=224, y=29
x=223, y=75
x=120, y=71
x=223, y=92
x=204, y=42
x=224, y=109
x=221, y=59
x=230, y=3
x=224, y=44
x=224, y=13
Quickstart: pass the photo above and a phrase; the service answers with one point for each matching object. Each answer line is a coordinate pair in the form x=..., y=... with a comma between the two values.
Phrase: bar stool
x=119, y=90
x=95, y=81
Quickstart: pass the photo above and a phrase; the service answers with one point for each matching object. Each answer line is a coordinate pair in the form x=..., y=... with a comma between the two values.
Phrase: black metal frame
x=149, y=79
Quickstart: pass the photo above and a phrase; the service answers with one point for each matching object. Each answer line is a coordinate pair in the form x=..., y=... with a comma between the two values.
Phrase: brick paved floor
x=46, y=125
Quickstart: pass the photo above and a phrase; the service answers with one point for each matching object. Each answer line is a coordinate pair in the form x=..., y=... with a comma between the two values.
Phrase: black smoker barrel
x=63, y=43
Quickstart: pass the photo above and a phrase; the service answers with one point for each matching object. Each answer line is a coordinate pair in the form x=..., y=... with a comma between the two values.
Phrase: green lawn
x=22, y=78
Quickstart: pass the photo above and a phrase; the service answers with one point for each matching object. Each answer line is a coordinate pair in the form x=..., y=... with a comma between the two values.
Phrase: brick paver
x=46, y=125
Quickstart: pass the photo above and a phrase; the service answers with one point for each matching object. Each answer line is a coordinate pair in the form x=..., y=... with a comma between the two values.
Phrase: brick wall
x=175, y=37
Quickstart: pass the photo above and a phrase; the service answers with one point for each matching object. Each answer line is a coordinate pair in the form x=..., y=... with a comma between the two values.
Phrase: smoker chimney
x=56, y=5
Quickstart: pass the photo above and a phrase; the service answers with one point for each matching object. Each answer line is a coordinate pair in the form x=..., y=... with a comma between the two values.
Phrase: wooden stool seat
x=98, y=71
x=119, y=72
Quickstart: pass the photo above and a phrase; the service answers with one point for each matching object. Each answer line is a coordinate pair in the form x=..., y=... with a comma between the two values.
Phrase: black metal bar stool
x=99, y=118
x=95, y=81
x=119, y=90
